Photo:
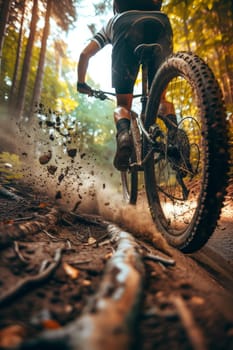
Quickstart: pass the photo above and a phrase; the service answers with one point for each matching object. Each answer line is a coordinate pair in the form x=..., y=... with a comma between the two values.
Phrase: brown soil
x=53, y=302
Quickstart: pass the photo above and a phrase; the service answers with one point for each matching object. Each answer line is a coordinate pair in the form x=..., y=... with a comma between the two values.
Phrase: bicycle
x=183, y=155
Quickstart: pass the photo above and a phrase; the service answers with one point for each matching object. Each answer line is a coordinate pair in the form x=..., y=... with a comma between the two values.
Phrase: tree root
x=31, y=280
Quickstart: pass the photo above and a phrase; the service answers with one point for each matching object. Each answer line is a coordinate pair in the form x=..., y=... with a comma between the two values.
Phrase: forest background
x=38, y=69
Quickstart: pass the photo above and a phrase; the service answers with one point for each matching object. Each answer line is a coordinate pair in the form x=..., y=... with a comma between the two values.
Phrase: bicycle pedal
x=155, y=132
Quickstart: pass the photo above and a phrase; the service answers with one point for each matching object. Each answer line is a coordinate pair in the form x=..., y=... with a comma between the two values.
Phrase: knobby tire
x=199, y=159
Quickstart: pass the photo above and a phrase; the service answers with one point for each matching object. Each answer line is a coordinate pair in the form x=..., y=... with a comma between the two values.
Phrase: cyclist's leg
x=122, y=121
x=124, y=101
x=122, y=111
x=124, y=73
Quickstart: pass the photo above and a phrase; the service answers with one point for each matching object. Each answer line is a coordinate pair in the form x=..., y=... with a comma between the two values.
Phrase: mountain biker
x=125, y=64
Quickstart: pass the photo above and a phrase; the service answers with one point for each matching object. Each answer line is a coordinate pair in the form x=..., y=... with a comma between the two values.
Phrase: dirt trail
x=50, y=271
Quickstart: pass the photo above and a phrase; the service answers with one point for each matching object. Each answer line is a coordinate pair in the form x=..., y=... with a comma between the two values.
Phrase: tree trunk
x=224, y=21
x=40, y=70
x=26, y=63
x=16, y=68
x=4, y=14
x=186, y=30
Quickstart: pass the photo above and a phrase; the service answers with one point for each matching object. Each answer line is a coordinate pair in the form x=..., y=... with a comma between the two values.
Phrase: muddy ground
x=50, y=269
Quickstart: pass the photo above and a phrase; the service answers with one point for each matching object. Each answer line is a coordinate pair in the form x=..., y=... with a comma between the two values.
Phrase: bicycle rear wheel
x=186, y=177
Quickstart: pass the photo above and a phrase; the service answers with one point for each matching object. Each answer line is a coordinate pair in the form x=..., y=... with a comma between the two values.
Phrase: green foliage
x=95, y=128
x=64, y=12
x=56, y=90
x=7, y=64
x=103, y=7
x=204, y=27
x=10, y=165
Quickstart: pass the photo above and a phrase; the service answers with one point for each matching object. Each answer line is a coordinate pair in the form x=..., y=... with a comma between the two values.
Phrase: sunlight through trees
x=36, y=65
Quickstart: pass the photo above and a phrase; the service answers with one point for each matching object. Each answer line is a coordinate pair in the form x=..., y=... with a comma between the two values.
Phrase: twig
x=107, y=241
x=78, y=262
x=89, y=232
x=68, y=222
x=144, y=245
x=53, y=237
x=192, y=330
x=19, y=254
x=43, y=265
x=157, y=258
x=68, y=244
x=148, y=247
x=31, y=280
x=105, y=235
x=24, y=219
x=6, y=193
x=74, y=226
x=162, y=266
x=89, y=219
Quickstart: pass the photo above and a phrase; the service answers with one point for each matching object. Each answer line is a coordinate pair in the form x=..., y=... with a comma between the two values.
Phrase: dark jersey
x=118, y=32
x=106, y=34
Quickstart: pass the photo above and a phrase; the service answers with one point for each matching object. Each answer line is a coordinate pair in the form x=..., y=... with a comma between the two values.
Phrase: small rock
x=45, y=158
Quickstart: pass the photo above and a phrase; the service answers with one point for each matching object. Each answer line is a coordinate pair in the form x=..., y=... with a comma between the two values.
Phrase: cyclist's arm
x=99, y=40
x=90, y=50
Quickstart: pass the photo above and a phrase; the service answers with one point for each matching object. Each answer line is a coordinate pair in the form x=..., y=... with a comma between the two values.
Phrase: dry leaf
x=68, y=308
x=43, y=205
x=86, y=283
x=12, y=336
x=8, y=222
x=50, y=324
x=107, y=256
x=71, y=271
x=197, y=300
x=91, y=240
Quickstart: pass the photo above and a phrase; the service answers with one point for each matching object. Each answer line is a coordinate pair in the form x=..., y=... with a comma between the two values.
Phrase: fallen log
x=14, y=231
x=109, y=318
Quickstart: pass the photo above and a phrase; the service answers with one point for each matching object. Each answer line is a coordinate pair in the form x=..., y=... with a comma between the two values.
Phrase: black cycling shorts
x=125, y=64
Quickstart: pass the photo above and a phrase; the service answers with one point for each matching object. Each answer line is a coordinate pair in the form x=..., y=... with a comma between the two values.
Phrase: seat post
x=146, y=53
x=144, y=97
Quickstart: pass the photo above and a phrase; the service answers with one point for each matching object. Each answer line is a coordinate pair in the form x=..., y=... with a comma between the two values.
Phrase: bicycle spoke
x=186, y=176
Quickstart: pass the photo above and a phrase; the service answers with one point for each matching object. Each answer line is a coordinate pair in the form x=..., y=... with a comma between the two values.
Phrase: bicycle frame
x=138, y=128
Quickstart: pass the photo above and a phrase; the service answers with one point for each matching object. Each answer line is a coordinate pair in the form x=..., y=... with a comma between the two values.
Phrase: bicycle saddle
x=146, y=52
